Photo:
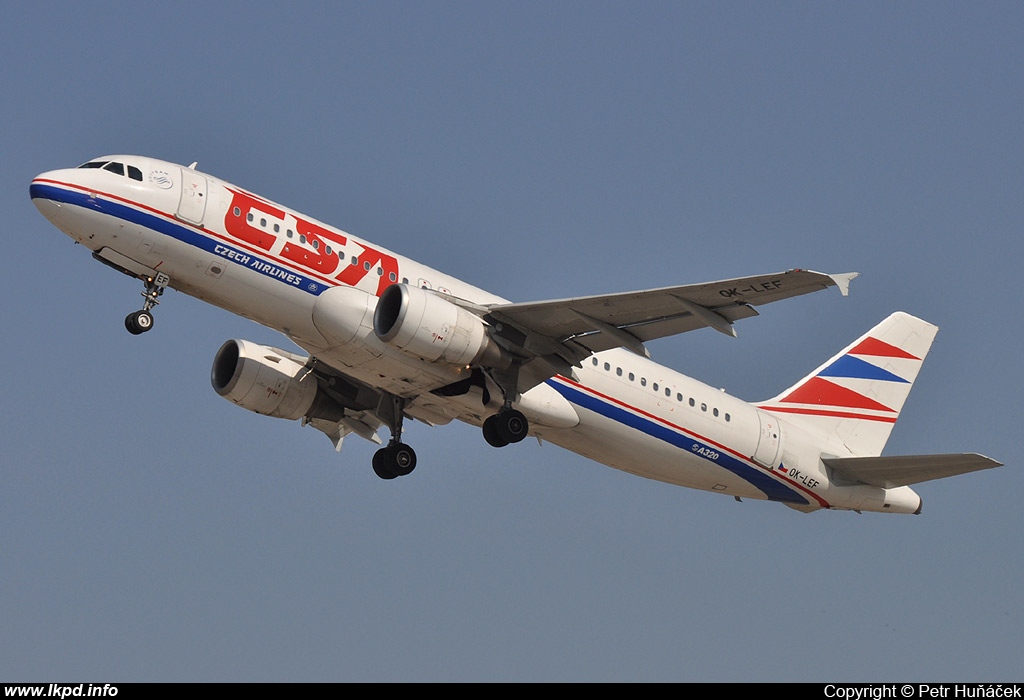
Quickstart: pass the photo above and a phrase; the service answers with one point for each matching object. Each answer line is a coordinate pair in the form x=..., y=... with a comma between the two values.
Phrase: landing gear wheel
x=505, y=427
x=380, y=467
x=138, y=322
x=401, y=458
x=397, y=459
x=512, y=425
x=492, y=433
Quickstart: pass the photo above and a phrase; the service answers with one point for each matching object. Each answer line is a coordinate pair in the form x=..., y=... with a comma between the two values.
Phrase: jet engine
x=422, y=324
x=270, y=382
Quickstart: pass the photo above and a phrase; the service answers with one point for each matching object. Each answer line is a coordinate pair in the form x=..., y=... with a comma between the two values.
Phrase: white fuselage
x=263, y=261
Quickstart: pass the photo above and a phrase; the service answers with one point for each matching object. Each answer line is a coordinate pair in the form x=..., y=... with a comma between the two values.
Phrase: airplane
x=389, y=339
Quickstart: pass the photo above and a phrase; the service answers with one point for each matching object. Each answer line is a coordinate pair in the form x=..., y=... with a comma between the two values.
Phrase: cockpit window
x=114, y=167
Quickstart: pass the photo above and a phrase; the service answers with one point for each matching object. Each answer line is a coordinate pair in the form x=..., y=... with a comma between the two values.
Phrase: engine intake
x=270, y=382
x=423, y=324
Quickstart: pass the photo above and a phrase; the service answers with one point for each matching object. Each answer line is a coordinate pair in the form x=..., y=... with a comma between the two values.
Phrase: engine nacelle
x=270, y=382
x=424, y=325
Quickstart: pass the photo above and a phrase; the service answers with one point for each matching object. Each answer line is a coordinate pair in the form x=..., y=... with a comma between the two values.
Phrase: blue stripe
x=856, y=368
x=771, y=488
x=185, y=234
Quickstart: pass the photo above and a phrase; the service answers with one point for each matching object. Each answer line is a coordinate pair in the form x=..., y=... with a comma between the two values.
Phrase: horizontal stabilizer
x=889, y=472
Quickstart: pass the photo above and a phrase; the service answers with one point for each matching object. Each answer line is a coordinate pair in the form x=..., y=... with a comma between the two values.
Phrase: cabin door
x=768, y=440
x=192, y=205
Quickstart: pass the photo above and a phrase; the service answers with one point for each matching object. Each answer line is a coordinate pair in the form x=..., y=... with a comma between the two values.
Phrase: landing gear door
x=768, y=440
x=192, y=205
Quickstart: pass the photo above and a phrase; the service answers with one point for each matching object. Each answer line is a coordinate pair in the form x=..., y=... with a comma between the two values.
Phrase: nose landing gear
x=139, y=322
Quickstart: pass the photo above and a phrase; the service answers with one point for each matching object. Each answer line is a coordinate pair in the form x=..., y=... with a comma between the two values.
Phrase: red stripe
x=819, y=391
x=879, y=348
x=829, y=414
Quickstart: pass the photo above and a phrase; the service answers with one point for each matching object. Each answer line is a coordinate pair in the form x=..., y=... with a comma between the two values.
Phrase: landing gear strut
x=397, y=459
x=141, y=321
x=507, y=425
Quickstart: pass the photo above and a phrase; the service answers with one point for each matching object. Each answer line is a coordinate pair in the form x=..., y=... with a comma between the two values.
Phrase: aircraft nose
x=39, y=191
x=48, y=192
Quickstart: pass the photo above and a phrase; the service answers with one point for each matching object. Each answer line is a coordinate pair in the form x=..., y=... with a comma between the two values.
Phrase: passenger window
x=643, y=381
x=692, y=402
x=316, y=244
x=632, y=377
x=668, y=392
x=715, y=412
x=595, y=362
x=618, y=371
x=679, y=398
x=393, y=277
x=655, y=386
x=607, y=366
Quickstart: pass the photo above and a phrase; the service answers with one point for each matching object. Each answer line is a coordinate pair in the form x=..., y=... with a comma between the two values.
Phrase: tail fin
x=857, y=395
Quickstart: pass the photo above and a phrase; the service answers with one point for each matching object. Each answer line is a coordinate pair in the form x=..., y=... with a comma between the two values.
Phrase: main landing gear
x=139, y=322
x=505, y=427
x=397, y=459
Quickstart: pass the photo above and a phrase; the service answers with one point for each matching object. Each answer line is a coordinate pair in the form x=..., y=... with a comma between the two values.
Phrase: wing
x=554, y=335
x=887, y=472
x=542, y=339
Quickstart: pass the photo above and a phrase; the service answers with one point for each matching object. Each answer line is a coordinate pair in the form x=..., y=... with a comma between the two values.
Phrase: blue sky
x=153, y=532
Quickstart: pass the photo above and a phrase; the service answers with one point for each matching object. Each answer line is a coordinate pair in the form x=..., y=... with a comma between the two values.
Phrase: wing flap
x=903, y=470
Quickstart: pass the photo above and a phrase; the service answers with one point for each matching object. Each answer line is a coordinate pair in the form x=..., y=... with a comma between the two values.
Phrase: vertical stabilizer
x=857, y=395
